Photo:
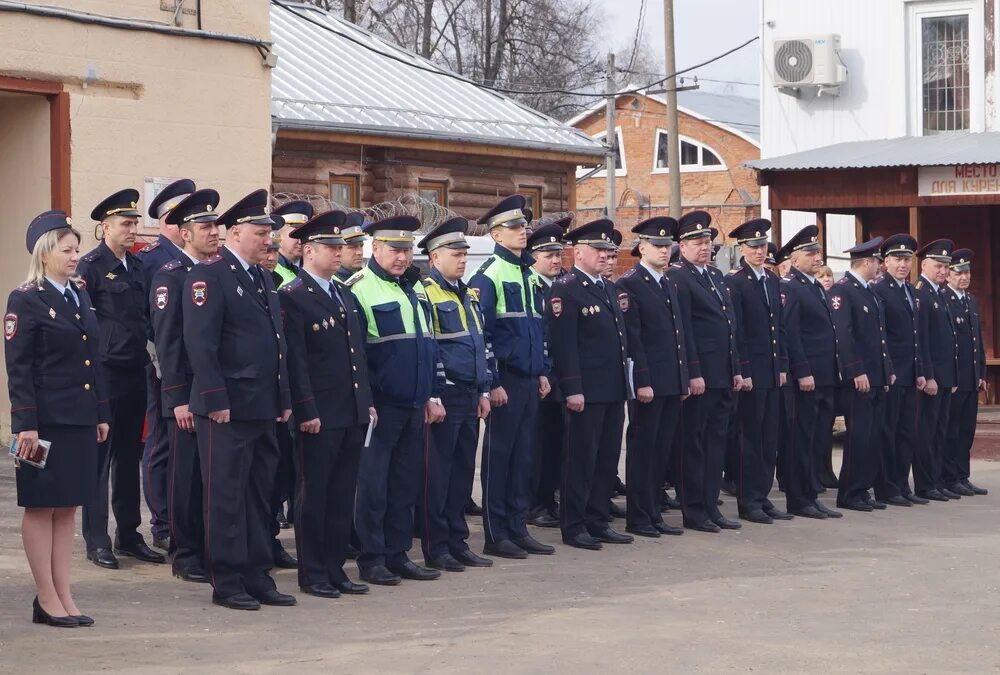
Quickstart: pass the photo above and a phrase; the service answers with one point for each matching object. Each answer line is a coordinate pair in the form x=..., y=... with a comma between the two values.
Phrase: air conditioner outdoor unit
x=811, y=61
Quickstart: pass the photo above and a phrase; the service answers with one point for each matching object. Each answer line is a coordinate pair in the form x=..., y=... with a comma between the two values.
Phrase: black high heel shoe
x=82, y=619
x=39, y=615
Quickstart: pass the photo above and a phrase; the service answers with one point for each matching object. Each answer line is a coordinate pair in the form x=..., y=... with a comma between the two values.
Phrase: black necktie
x=70, y=298
x=663, y=284
x=712, y=282
x=909, y=298
x=258, y=282
x=822, y=293
x=600, y=284
x=763, y=284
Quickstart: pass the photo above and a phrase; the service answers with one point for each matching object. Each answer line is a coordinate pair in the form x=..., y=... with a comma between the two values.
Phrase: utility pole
x=611, y=140
x=673, y=140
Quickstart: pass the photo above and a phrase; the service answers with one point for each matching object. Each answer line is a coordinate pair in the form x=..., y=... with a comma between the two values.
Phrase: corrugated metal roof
x=727, y=110
x=325, y=81
x=937, y=150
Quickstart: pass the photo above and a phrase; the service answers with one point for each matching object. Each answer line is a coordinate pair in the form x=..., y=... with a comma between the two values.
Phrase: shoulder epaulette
x=149, y=247
x=24, y=288
x=292, y=285
x=919, y=285
x=212, y=260
x=92, y=256
x=482, y=268
x=565, y=279
x=355, y=278
x=427, y=281
x=787, y=278
x=844, y=281
x=677, y=265
x=628, y=273
x=172, y=265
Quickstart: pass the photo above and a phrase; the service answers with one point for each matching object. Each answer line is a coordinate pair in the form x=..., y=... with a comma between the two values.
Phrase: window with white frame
x=695, y=156
x=620, y=166
x=945, y=44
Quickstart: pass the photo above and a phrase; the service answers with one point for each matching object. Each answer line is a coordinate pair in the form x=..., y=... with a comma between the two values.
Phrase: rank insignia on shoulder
x=212, y=260
x=355, y=278
x=149, y=247
x=566, y=278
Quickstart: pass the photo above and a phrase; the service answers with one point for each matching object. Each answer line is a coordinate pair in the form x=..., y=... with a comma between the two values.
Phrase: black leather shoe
x=810, y=512
x=39, y=615
x=617, y=511
x=380, y=576
x=949, y=494
x=827, y=511
x=778, y=514
x=544, y=518
x=976, y=490
x=275, y=598
x=757, y=516
x=729, y=487
x=446, y=563
x=609, y=536
x=470, y=559
x=855, y=506
x=283, y=523
x=348, y=587
x=915, y=499
x=321, y=590
x=584, y=541
x=829, y=480
x=284, y=559
x=727, y=524
x=192, y=573
x=960, y=489
x=412, y=571
x=238, y=601
x=897, y=500
x=619, y=487
x=473, y=509
x=644, y=531
x=667, y=528
x=140, y=551
x=103, y=557
x=505, y=548
x=702, y=526
x=934, y=496
x=82, y=619
x=162, y=543
x=875, y=504
x=671, y=503
x=533, y=546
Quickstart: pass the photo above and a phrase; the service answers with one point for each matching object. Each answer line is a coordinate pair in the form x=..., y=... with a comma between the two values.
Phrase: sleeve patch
x=162, y=297
x=199, y=293
x=9, y=326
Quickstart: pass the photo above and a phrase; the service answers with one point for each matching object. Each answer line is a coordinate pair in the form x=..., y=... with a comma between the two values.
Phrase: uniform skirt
x=70, y=474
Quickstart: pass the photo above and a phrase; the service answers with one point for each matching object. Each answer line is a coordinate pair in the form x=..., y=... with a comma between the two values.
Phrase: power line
x=501, y=90
x=638, y=35
x=746, y=84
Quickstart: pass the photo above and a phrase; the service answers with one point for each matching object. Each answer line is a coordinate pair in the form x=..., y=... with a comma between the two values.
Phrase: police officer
x=353, y=257
x=116, y=284
x=234, y=341
x=450, y=456
x=195, y=218
x=813, y=363
x=939, y=355
x=56, y=395
x=714, y=374
x=657, y=345
x=756, y=294
x=156, y=451
x=406, y=381
x=545, y=244
x=866, y=371
x=898, y=298
x=771, y=260
x=270, y=261
x=514, y=330
x=332, y=406
x=589, y=349
x=971, y=377
x=293, y=214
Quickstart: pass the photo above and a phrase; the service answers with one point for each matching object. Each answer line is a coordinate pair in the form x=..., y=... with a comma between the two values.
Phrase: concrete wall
x=141, y=104
x=24, y=176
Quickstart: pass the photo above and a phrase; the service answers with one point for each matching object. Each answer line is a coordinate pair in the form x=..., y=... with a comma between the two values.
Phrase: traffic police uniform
x=156, y=451
x=939, y=355
x=328, y=374
x=118, y=290
x=971, y=371
x=403, y=369
x=760, y=332
x=859, y=319
x=295, y=214
x=187, y=527
x=657, y=346
x=899, y=303
x=353, y=235
x=234, y=342
x=515, y=344
x=708, y=308
x=450, y=453
x=812, y=351
x=56, y=389
x=587, y=338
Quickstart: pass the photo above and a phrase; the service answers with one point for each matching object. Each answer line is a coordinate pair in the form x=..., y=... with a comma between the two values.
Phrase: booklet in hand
x=38, y=464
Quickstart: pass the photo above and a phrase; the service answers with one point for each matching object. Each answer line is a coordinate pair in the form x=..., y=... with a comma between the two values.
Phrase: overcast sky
x=703, y=29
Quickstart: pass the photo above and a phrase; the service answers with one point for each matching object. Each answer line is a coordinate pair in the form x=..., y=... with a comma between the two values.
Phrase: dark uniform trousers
x=758, y=440
x=786, y=429
x=156, y=458
x=548, y=453
x=862, y=454
x=898, y=438
x=383, y=517
x=185, y=505
x=592, y=445
x=699, y=464
x=327, y=466
x=961, y=433
x=648, y=444
x=238, y=462
x=932, y=426
x=285, y=476
x=508, y=459
x=812, y=417
x=449, y=471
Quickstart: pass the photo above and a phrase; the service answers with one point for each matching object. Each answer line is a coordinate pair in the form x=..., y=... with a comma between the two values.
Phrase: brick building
x=718, y=133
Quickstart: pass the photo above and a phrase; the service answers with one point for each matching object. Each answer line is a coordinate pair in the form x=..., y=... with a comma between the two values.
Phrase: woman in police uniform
x=51, y=350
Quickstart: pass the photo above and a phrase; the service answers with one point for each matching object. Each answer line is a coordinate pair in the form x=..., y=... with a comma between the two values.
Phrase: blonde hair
x=43, y=247
x=824, y=271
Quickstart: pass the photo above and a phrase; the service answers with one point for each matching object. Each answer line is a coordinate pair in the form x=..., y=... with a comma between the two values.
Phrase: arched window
x=620, y=167
x=695, y=156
